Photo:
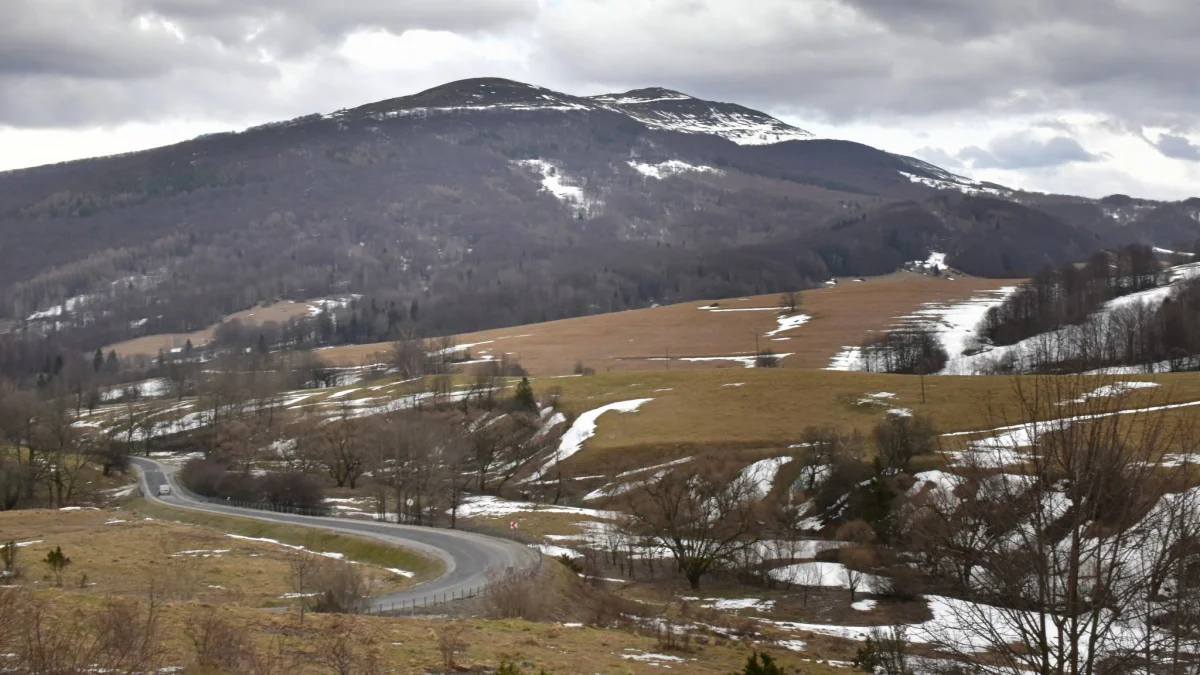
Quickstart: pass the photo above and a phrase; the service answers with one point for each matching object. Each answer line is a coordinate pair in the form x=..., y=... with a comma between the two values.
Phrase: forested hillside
x=486, y=203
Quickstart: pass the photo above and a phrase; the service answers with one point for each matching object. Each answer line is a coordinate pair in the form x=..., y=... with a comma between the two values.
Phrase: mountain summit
x=490, y=202
x=654, y=107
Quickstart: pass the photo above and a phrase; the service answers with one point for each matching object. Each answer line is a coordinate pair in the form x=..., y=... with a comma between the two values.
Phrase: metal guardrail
x=411, y=608
x=404, y=606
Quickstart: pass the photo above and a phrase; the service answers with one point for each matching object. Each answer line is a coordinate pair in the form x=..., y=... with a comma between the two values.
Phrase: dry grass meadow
x=151, y=344
x=841, y=315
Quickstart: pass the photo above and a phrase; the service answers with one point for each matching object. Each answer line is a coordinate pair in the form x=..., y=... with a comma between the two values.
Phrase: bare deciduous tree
x=1091, y=524
x=700, y=516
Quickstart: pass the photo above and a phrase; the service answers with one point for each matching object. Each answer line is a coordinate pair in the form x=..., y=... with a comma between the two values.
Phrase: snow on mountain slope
x=674, y=111
x=670, y=168
x=939, y=179
x=554, y=182
x=656, y=108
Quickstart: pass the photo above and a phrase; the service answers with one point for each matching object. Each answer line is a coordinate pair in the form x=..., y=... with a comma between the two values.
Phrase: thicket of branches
x=909, y=350
x=1068, y=295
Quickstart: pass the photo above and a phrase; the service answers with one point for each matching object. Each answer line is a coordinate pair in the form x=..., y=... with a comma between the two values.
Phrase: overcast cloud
x=1040, y=94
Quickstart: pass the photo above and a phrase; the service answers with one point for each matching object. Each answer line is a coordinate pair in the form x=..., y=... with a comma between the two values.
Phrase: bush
x=911, y=350
x=885, y=652
x=218, y=643
x=899, y=438
x=761, y=664
x=340, y=587
x=766, y=359
x=901, y=585
x=523, y=398
x=291, y=489
x=515, y=598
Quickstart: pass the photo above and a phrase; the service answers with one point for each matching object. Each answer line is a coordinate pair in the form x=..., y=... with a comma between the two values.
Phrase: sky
x=1089, y=97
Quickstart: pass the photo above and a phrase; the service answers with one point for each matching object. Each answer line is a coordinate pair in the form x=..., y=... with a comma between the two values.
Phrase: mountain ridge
x=491, y=202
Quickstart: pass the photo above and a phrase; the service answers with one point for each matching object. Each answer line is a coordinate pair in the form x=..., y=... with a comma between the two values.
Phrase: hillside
x=708, y=333
x=489, y=203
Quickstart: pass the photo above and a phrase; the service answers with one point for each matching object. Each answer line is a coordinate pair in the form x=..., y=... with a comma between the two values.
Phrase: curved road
x=467, y=556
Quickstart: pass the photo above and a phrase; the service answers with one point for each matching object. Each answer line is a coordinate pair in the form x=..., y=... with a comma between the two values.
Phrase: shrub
x=218, y=643
x=291, y=489
x=340, y=587
x=523, y=398
x=766, y=359
x=901, y=585
x=58, y=563
x=515, y=598
x=451, y=643
x=761, y=664
x=885, y=652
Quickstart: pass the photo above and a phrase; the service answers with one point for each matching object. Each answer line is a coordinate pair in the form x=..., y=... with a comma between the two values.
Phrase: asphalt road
x=468, y=557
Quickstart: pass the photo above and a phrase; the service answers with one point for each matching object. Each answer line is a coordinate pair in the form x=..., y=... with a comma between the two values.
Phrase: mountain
x=490, y=202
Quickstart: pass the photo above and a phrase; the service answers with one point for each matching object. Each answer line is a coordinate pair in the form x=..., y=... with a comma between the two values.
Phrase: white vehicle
x=164, y=489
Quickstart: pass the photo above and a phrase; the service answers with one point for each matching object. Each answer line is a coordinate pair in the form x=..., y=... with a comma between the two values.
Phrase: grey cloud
x=1021, y=151
x=90, y=62
x=881, y=59
x=295, y=26
x=939, y=157
x=1178, y=147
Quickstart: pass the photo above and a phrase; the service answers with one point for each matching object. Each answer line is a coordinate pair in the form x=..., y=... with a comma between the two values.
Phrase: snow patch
x=672, y=167
x=583, y=429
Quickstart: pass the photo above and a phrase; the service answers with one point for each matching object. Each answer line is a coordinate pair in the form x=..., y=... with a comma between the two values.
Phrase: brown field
x=197, y=571
x=255, y=316
x=695, y=409
x=121, y=551
x=841, y=315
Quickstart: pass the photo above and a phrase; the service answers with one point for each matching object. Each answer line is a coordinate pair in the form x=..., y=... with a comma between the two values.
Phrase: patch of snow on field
x=648, y=657
x=656, y=467
x=670, y=168
x=264, y=540
x=863, y=605
x=558, y=551
x=484, y=506
x=583, y=429
x=824, y=574
x=1111, y=390
x=899, y=412
x=23, y=544
x=715, y=308
x=404, y=573
x=849, y=359
x=152, y=388
x=733, y=604
x=760, y=475
x=956, y=325
x=118, y=493
x=746, y=361
x=734, y=384
x=787, y=323
x=555, y=420
x=1167, y=251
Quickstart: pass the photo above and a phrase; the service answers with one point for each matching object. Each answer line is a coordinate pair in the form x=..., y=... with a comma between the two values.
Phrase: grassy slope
x=772, y=407
x=354, y=548
x=842, y=315
x=121, y=551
